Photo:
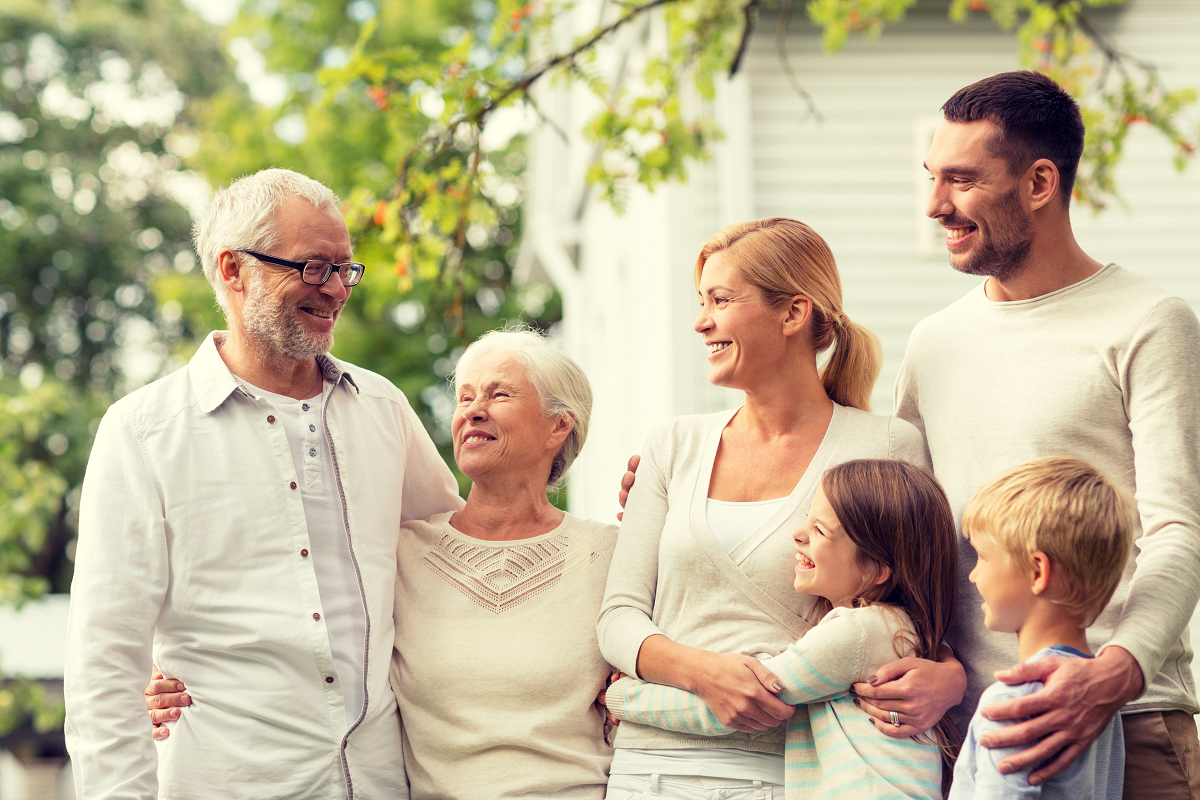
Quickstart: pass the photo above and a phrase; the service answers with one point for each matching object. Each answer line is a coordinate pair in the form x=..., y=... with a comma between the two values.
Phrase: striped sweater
x=832, y=748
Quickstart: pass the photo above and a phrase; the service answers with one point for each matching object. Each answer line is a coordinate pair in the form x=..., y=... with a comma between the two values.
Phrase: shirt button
x=312, y=451
x=304, y=553
x=292, y=484
x=271, y=420
x=312, y=428
x=304, y=407
x=329, y=679
x=316, y=616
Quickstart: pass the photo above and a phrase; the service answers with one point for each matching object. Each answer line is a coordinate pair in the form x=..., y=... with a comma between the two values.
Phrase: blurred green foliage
x=117, y=116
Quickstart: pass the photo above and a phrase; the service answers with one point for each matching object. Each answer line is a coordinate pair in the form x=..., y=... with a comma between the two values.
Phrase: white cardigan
x=670, y=576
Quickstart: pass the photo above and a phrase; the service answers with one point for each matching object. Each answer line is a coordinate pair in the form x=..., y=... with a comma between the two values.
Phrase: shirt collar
x=213, y=382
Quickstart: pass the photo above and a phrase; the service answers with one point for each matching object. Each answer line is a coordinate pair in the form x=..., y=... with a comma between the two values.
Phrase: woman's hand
x=164, y=697
x=920, y=691
x=739, y=690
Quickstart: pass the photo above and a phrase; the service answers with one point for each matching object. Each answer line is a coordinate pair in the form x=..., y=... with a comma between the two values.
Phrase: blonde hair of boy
x=1069, y=510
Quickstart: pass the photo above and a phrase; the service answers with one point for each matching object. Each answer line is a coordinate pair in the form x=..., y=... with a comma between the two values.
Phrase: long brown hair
x=784, y=258
x=898, y=516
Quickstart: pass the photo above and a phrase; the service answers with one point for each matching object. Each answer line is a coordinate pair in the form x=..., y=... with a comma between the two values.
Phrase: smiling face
x=827, y=563
x=743, y=333
x=1003, y=584
x=282, y=313
x=498, y=425
x=977, y=201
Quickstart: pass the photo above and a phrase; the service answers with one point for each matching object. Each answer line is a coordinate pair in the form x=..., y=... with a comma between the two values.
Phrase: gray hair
x=561, y=385
x=243, y=216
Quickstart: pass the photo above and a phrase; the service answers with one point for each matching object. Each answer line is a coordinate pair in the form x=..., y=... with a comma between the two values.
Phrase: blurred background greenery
x=118, y=117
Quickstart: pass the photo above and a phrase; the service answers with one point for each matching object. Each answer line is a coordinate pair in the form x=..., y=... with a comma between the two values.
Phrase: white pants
x=687, y=787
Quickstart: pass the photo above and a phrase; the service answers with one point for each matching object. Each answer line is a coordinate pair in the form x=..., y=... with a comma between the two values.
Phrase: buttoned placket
x=281, y=450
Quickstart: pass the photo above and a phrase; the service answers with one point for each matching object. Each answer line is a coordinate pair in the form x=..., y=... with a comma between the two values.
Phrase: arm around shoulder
x=120, y=582
x=1160, y=379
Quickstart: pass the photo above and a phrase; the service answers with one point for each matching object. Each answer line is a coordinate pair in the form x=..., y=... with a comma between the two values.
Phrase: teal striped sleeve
x=666, y=707
x=823, y=664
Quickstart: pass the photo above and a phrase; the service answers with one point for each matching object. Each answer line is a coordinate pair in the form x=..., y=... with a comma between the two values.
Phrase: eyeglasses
x=315, y=273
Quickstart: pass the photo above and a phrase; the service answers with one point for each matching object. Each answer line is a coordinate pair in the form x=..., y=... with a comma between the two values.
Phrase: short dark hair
x=1036, y=118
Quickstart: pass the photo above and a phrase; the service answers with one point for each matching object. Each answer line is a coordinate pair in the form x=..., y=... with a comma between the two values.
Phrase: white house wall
x=855, y=177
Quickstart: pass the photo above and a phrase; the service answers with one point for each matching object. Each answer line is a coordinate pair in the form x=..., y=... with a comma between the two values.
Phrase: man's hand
x=627, y=483
x=1080, y=696
x=164, y=697
x=740, y=691
x=920, y=691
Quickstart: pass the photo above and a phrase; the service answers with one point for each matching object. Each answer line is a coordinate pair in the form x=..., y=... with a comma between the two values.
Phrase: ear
x=230, y=271
x=1041, y=572
x=563, y=425
x=885, y=573
x=799, y=311
x=1042, y=180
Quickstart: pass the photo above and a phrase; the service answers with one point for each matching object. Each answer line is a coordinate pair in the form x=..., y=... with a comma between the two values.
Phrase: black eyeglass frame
x=347, y=280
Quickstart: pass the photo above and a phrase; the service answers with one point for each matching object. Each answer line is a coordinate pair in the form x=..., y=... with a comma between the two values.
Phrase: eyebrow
x=712, y=289
x=971, y=172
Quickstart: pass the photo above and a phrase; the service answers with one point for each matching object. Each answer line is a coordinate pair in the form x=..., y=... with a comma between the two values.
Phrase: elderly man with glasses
x=238, y=528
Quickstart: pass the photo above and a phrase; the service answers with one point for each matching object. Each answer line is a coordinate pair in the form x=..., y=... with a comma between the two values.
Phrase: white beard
x=276, y=330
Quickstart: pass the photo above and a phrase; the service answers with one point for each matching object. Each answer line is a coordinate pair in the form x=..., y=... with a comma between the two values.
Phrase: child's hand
x=919, y=691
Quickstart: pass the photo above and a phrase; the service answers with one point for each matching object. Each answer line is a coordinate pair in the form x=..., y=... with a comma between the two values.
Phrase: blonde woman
x=702, y=577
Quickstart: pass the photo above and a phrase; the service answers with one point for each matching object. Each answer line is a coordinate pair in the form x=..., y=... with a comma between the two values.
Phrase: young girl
x=880, y=552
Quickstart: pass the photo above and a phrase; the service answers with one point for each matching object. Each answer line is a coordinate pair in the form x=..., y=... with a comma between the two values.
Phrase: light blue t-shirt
x=1098, y=773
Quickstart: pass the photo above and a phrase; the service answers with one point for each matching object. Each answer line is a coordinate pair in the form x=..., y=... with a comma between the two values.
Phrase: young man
x=1052, y=538
x=238, y=525
x=1057, y=353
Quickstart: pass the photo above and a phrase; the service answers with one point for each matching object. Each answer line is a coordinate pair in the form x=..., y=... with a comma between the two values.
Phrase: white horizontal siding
x=854, y=176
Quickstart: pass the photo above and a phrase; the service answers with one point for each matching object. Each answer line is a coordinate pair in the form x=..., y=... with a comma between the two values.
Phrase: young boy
x=1052, y=536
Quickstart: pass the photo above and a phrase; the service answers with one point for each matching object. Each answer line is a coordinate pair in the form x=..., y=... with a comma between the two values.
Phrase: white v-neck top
x=731, y=522
x=671, y=576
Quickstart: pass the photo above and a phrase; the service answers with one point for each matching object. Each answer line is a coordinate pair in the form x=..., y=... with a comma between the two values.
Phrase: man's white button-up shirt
x=193, y=554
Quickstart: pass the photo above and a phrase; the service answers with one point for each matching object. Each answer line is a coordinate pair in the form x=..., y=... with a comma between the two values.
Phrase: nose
x=703, y=322
x=939, y=204
x=334, y=287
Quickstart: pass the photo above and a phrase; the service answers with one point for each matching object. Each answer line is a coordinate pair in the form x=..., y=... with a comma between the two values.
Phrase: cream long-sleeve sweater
x=670, y=576
x=1108, y=370
x=496, y=667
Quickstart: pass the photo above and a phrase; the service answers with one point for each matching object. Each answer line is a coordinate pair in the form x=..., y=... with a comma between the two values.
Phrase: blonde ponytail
x=850, y=374
x=783, y=258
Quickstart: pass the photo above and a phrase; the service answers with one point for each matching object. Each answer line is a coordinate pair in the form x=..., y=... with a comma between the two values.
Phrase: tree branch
x=750, y=12
x=781, y=30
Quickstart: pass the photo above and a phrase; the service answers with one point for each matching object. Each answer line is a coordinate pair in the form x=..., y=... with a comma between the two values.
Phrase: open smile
x=716, y=347
x=475, y=437
x=804, y=563
x=957, y=237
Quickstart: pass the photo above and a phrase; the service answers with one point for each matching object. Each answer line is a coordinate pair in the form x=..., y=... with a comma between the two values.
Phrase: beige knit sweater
x=670, y=576
x=496, y=666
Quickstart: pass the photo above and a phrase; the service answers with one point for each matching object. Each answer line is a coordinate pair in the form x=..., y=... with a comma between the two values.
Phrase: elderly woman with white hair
x=497, y=666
